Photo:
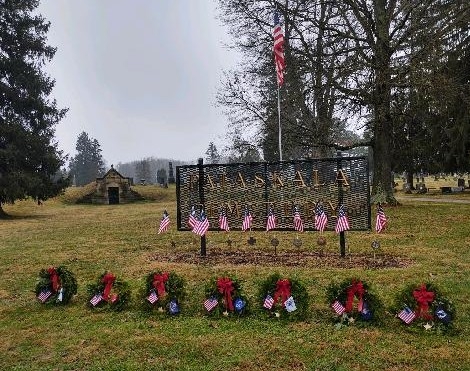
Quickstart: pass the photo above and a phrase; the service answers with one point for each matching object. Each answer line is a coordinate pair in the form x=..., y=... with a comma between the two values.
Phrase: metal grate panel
x=280, y=185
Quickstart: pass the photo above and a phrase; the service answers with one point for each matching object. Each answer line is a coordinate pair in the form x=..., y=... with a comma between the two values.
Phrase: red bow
x=225, y=287
x=159, y=283
x=423, y=298
x=54, y=278
x=108, y=280
x=282, y=291
x=355, y=290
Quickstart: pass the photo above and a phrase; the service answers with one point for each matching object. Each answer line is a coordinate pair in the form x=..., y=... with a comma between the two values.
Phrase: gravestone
x=421, y=188
x=407, y=187
x=461, y=182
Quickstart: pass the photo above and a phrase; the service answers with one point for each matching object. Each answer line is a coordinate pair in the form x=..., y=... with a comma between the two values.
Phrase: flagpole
x=279, y=120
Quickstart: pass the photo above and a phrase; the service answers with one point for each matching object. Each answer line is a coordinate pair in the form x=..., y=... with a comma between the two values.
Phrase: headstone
x=461, y=182
x=421, y=188
x=407, y=187
x=446, y=189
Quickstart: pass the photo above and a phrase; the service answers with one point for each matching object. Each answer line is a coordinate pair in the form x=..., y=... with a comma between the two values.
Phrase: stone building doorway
x=113, y=195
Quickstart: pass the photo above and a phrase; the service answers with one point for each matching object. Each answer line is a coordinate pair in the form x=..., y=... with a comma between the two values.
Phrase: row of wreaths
x=350, y=301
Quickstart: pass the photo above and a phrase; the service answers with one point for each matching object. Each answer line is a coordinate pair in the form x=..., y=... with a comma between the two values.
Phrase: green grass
x=89, y=239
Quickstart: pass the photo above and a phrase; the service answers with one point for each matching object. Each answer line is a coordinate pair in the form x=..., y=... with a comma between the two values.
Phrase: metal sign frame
x=281, y=186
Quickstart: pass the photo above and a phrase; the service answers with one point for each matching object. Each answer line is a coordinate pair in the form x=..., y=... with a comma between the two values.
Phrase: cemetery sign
x=279, y=186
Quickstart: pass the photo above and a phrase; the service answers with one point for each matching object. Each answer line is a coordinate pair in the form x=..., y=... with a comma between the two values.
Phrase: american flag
x=223, y=222
x=153, y=297
x=342, y=223
x=202, y=224
x=165, y=223
x=320, y=218
x=44, y=295
x=279, y=49
x=338, y=308
x=96, y=299
x=381, y=220
x=268, y=302
x=192, y=218
x=271, y=223
x=247, y=220
x=298, y=222
x=210, y=303
x=407, y=315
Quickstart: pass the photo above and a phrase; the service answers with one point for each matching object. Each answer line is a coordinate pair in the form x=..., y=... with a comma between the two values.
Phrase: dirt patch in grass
x=310, y=259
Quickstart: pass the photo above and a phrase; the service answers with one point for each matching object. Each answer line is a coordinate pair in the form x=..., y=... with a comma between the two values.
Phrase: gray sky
x=140, y=76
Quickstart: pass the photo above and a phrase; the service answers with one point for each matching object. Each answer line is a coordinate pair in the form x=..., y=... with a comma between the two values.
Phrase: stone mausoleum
x=111, y=189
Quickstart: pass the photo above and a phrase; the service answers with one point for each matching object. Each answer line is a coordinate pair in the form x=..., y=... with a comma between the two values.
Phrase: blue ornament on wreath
x=239, y=304
x=366, y=313
x=173, y=307
x=442, y=315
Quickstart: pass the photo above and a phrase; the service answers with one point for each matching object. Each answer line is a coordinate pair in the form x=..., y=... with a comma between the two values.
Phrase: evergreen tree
x=29, y=157
x=212, y=154
x=161, y=176
x=88, y=164
x=143, y=173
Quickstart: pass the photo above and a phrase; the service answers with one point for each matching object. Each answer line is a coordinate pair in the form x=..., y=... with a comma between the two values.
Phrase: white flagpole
x=279, y=118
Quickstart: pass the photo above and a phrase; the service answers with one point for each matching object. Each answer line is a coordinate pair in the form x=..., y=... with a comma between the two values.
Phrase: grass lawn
x=88, y=239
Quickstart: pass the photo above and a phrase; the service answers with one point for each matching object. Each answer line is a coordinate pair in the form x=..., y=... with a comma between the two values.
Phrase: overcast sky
x=140, y=76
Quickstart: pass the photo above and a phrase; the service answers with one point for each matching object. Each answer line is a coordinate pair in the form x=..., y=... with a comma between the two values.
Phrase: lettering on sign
x=280, y=185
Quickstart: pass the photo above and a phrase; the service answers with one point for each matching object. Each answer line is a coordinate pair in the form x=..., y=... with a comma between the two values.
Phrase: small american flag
x=96, y=299
x=407, y=315
x=271, y=223
x=381, y=220
x=210, y=303
x=268, y=302
x=165, y=223
x=192, y=218
x=202, y=225
x=279, y=49
x=338, y=308
x=153, y=297
x=298, y=222
x=342, y=223
x=320, y=218
x=223, y=222
x=247, y=220
x=44, y=295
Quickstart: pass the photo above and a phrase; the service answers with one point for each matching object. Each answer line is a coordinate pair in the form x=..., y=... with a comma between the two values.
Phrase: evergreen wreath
x=55, y=286
x=224, y=296
x=163, y=291
x=424, y=306
x=108, y=292
x=353, y=303
x=284, y=298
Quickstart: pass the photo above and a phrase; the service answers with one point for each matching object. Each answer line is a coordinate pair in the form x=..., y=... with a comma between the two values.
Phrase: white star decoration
x=427, y=326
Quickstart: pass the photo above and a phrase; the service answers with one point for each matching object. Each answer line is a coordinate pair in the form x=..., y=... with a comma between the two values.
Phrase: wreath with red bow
x=284, y=298
x=55, y=285
x=352, y=303
x=224, y=296
x=424, y=306
x=109, y=292
x=164, y=292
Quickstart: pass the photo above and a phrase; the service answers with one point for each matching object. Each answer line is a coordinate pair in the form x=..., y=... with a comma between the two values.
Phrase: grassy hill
x=432, y=237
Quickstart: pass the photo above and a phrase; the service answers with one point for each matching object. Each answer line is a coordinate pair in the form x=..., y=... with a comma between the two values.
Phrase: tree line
x=89, y=164
x=398, y=69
